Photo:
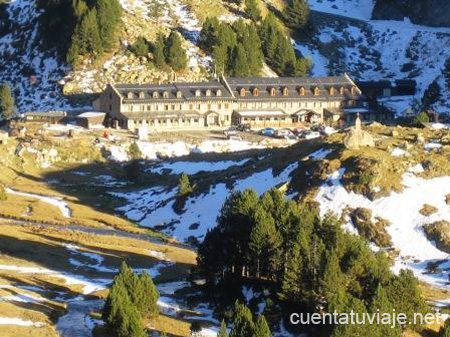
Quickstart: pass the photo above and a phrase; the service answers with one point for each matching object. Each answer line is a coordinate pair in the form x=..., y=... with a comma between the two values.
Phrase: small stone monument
x=357, y=137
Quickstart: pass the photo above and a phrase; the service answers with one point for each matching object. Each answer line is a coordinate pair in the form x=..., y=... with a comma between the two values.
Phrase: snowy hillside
x=373, y=50
x=32, y=73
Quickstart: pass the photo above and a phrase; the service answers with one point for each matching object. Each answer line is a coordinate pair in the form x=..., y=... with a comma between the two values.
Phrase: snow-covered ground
x=358, y=9
x=402, y=211
x=190, y=168
x=155, y=150
x=55, y=201
x=154, y=206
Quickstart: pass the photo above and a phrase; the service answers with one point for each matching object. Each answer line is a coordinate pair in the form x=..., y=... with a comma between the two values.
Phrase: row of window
x=178, y=94
x=242, y=105
x=301, y=91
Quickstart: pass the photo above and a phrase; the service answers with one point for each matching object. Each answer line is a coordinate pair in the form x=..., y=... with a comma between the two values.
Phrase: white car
x=310, y=135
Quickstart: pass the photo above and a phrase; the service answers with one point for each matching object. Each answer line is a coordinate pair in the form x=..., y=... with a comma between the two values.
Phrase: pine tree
x=141, y=47
x=147, y=296
x=108, y=16
x=252, y=45
x=7, y=104
x=86, y=38
x=223, y=330
x=264, y=244
x=238, y=65
x=209, y=34
x=158, y=51
x=431, y=95
x=243, y=325
x=174, y=52
x=262, y=328
x=252, y=10
x=334, y=284
x=422, y=117
x=381, y=303
x=296, y=14
x=184, y=185
x=446, y=72
x=220, y=56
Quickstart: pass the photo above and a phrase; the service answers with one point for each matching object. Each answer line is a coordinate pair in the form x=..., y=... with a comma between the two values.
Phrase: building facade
x=260, y=102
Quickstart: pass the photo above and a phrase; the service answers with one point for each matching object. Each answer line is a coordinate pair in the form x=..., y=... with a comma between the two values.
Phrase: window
x=316, y=91
x=172, y=107
x=165, y=94
x=285, y=92
x=166, y=107
x=131, y=107
x=155, y=94
x=130, y=95
x=219, y=92
x=142, y=95
x=354, y=90
x=256, y=92
x=220, y=106
x=209, y=106
x=342, y=91
x=198, y=93
x=191, y=106
x=273, y=92
x=242, y=92
x=199, y=106
x=208, y=92
x=227, y=106
x=179, y=94
x=332, y=91
x=149, y=108
x=302, y=91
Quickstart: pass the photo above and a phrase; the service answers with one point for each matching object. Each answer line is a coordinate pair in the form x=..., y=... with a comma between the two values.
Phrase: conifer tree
x=252, y=10
x=382, y=304
x=7, y=104
x=296, y=14
x=262, y=328
x=334, y=284
x=209, y=34
x=252, y=46
x=140, y=47
x=158, y=51
x=223, y=330
x=147, y=296
x=184, y=185
x=431, y=95
x=446, y=72
x=174, y=52
x=264, y=243
x=220, y=56
x=108, y=16
x=238, y=65
x=243, y=325
x=86, y=38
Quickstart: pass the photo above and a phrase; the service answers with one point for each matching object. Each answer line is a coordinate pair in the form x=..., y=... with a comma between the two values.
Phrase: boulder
x=357, y=138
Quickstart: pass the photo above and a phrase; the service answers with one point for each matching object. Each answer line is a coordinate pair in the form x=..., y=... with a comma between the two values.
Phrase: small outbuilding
x=91, y=120
x=50, y=117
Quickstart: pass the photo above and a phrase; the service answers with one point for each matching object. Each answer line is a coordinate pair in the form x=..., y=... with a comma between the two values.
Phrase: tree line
x=309, y=263
x=166, y=51
x=80, y=27
x=239, y=49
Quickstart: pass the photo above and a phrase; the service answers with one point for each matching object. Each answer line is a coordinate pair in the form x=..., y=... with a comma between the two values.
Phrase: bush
x=184, y=185
x=134, y=151
x=141, y=47
x=421, y=118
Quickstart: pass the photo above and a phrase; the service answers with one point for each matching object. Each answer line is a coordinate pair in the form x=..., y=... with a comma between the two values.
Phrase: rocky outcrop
x=357, y=138
x=435, y=13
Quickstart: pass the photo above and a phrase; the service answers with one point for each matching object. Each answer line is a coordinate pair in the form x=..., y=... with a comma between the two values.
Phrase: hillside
x=343, y=39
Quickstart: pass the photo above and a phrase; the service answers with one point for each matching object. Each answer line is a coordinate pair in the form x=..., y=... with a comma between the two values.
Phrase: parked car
x=328, y=130
x=244, y=127
x=268, y=132
x=231, y=137
x=310, y=135
x=231, y=132
x=284, y=133
x=298, y=131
